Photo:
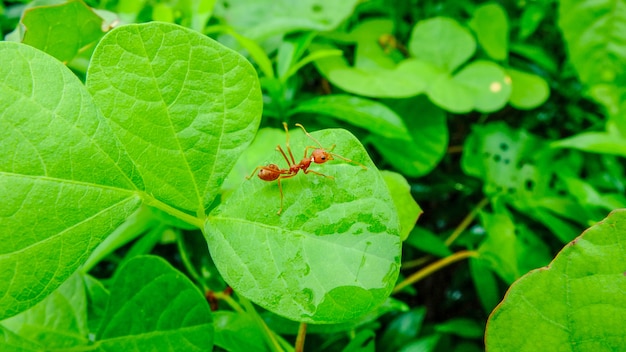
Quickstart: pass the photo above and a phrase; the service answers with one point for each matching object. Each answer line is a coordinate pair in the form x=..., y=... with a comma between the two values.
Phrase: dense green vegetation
x=132, y=134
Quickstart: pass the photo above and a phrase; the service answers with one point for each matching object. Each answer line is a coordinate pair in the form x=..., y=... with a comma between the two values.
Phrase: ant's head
x=321, y=156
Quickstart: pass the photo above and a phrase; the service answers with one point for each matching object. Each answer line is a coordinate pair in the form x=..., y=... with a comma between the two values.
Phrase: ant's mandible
x=319, y=155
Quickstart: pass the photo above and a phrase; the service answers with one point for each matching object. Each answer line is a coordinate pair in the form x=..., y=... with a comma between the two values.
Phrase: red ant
x=320, y=155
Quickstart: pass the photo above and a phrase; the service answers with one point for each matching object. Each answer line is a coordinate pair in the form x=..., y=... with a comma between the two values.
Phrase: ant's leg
x=348, y=160
x=318, y=174
x=254, y=172
x=278, y=147
x=293, y=160
x=280, y=188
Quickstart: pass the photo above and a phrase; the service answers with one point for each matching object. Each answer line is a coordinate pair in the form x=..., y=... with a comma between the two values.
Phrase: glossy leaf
x=375, y=73
x=155, y=307
x=57, y=153
x=81, y=27
x=335, y=248
x=442, y=42
x=195, y=104
x=491, y=25
x=428, y=141
x=575, y=301
x=407, y=79
x=488, y=83
x=408, y=210
x=450, y=95
x=368, y=114
x=528, y=90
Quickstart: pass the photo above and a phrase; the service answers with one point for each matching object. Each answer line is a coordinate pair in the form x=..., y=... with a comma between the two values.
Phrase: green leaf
x=532, y=16
x=368, y=114
x=428, y=242
x=254, y=49
x=491, y=25
x=528, y=90
x=64, y=39
x=407, y=79
x=428, y=141
x=184, y=107
x=461, y=327
x=237, y=332
x=450, y=95
x=442, y=42
x=487, y=83
x=485, y=283
x=155, y=307
x=97, y=298
x=408, y=210
x=593, y=31
x=496, y=154
x=402, y=329
x=64, y=181
x=576, y=303
x=11, y=342
x=335, y=249
x=57, y=322
x=595, y=142
x=261, y=19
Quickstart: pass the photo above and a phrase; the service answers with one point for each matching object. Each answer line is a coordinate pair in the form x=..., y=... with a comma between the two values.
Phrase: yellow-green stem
x=300, y=338
x=420, y=274
x=466, y=222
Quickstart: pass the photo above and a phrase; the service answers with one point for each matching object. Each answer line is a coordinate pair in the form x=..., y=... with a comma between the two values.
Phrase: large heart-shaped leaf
x=334, y=252
x=64, y=182
x=184, y=106
x=179, y=108
x=574, y=304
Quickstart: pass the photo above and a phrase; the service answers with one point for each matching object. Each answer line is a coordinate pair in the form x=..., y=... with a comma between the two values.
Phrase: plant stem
x=230, y=301
x=184, y=256
x=300, y=338
x=466, y=222
x=420, y=274
x=153, y=202
x=274, y=344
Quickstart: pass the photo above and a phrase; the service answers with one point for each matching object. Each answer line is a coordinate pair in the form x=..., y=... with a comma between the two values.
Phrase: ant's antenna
x=309, y=135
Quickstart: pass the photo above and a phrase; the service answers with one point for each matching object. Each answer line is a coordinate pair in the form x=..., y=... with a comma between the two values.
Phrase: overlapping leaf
x=183, y=105
x=179, y=108
x=64, y=181
x=332, y=255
